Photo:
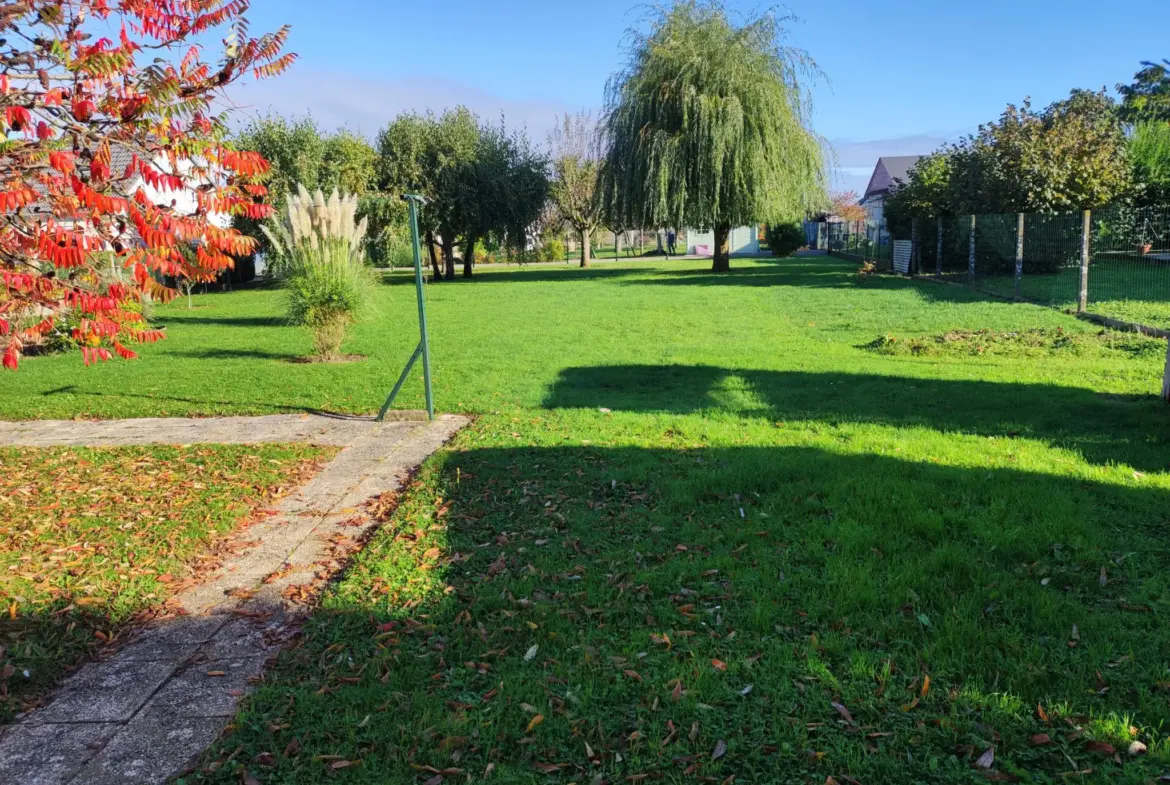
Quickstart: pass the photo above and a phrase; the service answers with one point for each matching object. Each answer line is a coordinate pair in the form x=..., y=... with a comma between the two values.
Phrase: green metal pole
x=414, y=200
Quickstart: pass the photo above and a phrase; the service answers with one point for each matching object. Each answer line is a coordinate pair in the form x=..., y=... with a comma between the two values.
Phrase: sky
x=901, y=76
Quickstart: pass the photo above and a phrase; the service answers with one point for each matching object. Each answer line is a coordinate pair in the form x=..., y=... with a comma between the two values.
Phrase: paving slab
x=110, y=691
x=206, y=689
x=150, y=749
x=143, y=715
x=51, y=754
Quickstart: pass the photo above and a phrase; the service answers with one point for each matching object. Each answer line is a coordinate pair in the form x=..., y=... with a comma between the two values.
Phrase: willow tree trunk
x=722, y=260
x=434, y=257
x=449, y=255
x=586, y=247
x=469, y=254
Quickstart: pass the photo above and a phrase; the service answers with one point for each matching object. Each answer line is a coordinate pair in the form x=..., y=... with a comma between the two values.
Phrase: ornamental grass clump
x=322, y=267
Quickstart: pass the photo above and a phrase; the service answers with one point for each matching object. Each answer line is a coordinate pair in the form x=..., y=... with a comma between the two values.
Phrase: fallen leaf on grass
x=344, y=764
x=720, y=665
x=539, y=718
x=1102, y=747
x=661, y=640
x=925, y=686
x=435, y=780
x=1039, y=739
x=531, y=653
x=547, y=768
x=844, y=712
x=720, y=750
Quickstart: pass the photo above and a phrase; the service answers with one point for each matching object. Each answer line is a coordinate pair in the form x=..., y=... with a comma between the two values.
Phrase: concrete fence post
x=1166, y=376
x=971, y=257
x=1083, y=298
x=913, y=268
x=1019, y=253
x=938, y=249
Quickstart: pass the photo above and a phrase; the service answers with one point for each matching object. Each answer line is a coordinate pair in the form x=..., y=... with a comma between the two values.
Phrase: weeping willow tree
x=708, y=126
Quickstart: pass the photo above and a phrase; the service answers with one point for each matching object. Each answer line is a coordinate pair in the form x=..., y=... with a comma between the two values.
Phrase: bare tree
x=575, y=153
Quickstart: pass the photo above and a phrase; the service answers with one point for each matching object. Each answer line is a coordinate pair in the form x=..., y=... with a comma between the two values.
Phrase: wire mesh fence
x=1121, y=253
x=867, y=239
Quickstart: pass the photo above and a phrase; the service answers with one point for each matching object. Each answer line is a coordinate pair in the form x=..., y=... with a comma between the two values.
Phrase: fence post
x=913, y=270
x=1083, y=299
x=938, y=251
x=1166, y=376
x=971, y=257
x=1019, y=253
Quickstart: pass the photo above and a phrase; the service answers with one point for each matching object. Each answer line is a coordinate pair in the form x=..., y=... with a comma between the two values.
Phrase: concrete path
x=144, y=714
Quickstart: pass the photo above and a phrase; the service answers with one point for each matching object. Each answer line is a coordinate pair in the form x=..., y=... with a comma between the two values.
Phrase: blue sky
x=903, y=75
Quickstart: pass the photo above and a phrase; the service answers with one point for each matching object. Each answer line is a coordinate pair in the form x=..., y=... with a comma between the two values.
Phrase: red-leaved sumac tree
x=115, y=170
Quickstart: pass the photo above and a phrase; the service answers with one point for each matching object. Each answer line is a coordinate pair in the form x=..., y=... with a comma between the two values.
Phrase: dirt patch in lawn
x=96, y=540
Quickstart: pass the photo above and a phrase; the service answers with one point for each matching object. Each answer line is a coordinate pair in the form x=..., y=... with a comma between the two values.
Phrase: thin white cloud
x=366, y=105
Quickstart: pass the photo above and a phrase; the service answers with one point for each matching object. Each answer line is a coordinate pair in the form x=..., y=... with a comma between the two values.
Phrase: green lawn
x=700, y=531
x=95, y=540
x=1128, y=288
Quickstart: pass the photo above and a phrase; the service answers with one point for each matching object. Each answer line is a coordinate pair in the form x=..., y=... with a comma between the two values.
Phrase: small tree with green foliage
x=708, y=126
x=502, y=188
x=575, y=152
x=427, y=155
x=1149, y=155
x=925, y=194
x=1071, y=156
x=1148, y=96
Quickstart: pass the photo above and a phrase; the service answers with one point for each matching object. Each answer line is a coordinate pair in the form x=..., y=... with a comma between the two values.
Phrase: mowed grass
x=1131, y=289
x=699, y=532
x=93, y=540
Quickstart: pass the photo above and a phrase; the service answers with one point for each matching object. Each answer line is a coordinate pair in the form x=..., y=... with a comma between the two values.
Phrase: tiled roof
x=889, y=169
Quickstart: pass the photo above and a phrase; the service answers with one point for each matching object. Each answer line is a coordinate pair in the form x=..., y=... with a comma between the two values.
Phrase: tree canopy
x=1071, y=156
x=1148, y=96
x=114, y=157
x=708, y=125
x=575, y=162
x=299, y=152
x=478, y=180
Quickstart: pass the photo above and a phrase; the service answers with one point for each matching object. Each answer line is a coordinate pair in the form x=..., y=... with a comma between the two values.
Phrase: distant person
x=670, y=238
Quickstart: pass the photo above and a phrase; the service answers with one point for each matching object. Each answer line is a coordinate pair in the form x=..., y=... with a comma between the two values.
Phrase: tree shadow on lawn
x=629, y=595
x=568, y=273
x=1105, y=429
x=264, y=406
x=234, y=354
x=224, y=321
x=804, y=274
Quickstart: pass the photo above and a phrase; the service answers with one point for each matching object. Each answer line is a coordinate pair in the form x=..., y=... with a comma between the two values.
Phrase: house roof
x=889, y=169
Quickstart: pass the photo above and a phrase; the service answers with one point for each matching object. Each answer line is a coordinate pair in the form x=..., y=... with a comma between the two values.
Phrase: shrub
x=553, y=250
x=786, y=239
x=323, y=269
